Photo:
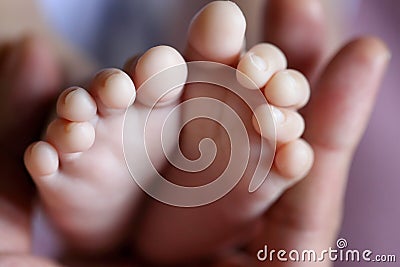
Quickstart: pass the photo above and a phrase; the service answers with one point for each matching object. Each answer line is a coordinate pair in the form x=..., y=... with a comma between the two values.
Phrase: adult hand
x=308, y=215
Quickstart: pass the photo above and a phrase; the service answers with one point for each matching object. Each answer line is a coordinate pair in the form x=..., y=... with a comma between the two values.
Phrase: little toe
x=278, y=124
x=76, y=104
x=294, y=159
x=70, y=137
x=259, y=64
x=41, y=159
x=113, y=91
x=288, y=88
x=160, y=75
x=292, y=162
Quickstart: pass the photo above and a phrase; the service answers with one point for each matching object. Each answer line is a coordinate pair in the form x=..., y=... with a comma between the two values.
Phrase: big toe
x=217, y=33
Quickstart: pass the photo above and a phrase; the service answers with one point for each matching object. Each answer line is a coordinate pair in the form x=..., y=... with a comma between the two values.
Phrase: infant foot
x=80, y=169
x=181, y=235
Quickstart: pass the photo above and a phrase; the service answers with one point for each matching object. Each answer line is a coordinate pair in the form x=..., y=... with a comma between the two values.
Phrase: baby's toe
x=159, y=75
x=278, y=124
x=217, y=33
x=287, y=88
x=259, y=64
x=70, y=137
x=292, y=162
x=294, y=159
x=113, y=91
x=41, y=159
x=76, y=104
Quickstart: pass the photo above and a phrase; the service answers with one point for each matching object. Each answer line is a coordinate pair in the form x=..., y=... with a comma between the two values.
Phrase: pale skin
x=212, y=38
x=308, y=215
x=367, y=56
x=80, y=165
x=88, y=129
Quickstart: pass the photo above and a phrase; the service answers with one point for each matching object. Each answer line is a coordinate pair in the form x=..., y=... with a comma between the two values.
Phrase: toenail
x=79, y=96
x=74, y=92
x=113, y=78
x=41, y=151
x=120, y=90
x=290, y=80
x=39, y=148
x=117, y=79
x=36, y=148
x=103, y=76
x=111, y=74
x=291, y=85
x=279, y=117
x=69, y=127
x=258, y=62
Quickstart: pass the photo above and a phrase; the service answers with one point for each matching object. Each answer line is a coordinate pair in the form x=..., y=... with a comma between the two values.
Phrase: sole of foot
x=80, y=167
